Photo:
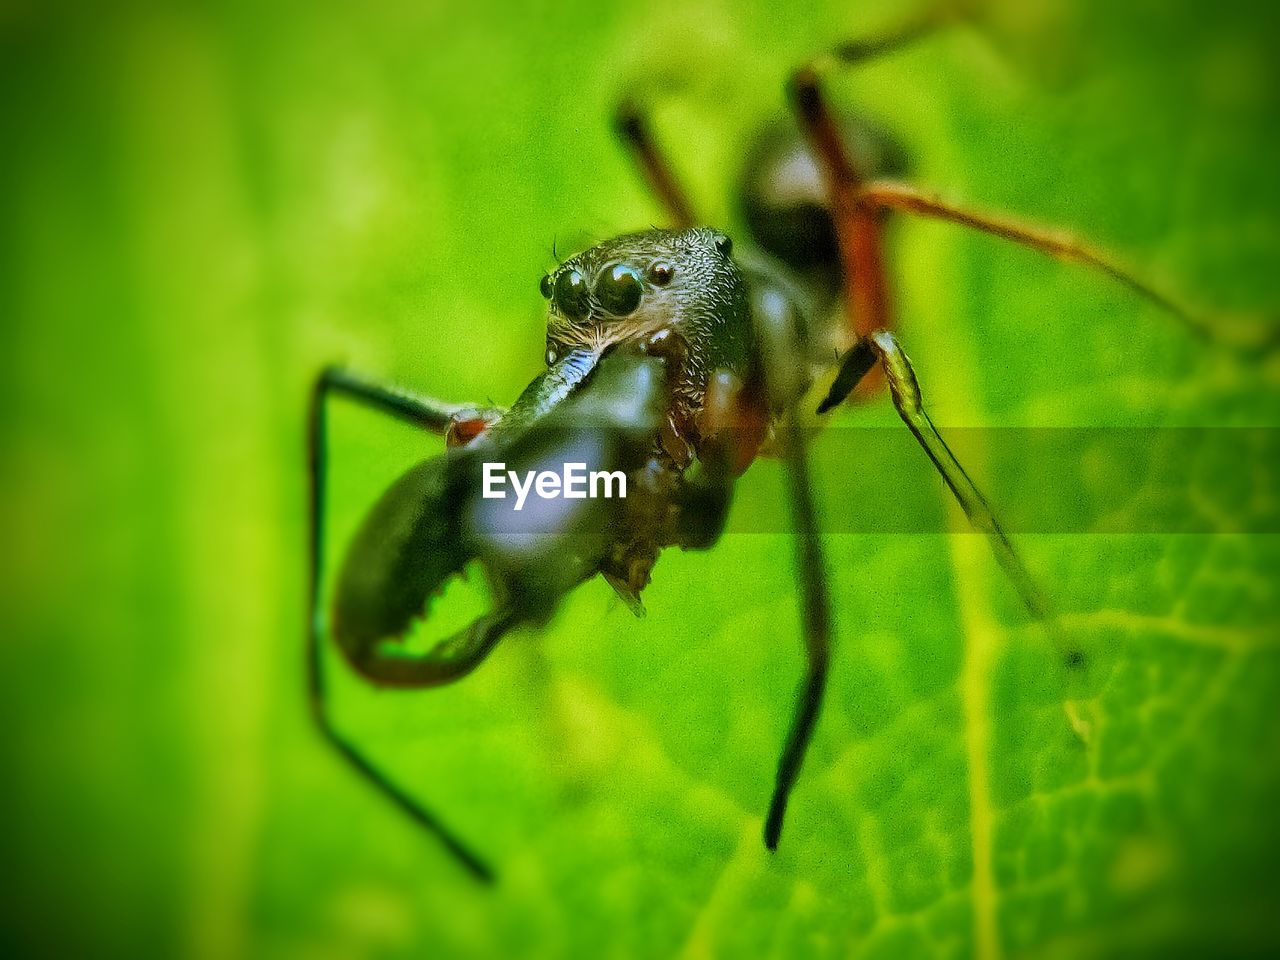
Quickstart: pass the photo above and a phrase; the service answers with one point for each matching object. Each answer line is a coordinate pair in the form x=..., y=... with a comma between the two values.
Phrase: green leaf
x=202, y=207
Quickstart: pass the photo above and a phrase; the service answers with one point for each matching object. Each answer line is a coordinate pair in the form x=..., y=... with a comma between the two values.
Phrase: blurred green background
x=202, y=204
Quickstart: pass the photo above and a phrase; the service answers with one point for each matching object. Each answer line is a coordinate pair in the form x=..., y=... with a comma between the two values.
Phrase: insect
x=675, y=359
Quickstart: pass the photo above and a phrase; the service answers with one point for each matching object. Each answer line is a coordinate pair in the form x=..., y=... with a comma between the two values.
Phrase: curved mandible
x=433, y=521
x=408, y=548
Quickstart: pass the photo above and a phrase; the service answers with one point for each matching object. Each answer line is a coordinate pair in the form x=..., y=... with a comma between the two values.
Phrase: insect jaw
x=599, y=333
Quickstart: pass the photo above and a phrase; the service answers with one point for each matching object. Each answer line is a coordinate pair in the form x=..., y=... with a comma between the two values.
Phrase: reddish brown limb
x=467, y=424
x=883, y=195
x=735, y=418
x=858, y=230
x=632, y=126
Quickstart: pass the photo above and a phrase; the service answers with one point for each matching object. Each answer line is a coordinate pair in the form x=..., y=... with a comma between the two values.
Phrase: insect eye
x=619, y=289
x=545, y=286
x=660, y=273
x=571, y=294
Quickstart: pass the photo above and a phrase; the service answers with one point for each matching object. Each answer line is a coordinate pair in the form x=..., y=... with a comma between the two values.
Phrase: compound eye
x=571, y=294
x=545, y=286
x=619, y=289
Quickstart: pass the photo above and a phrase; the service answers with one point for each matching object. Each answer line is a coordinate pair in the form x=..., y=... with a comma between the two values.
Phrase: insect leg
x=425, y=412
x=815, y=621
x=631, y=117
x=883, y=347
x=434, y=416
x=732, y=424
x=779, y=334
x=631, y=123
x=883, y=195
x=858, y=228
x=916, y=26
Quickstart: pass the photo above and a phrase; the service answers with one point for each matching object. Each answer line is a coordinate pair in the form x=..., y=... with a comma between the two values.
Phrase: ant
x=677, y=360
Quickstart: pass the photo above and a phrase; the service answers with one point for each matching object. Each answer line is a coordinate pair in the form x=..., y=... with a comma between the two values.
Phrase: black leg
x=434, y=416
x=889, y=40
x=779, y=334
x=425, y=412
x=815, y=623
